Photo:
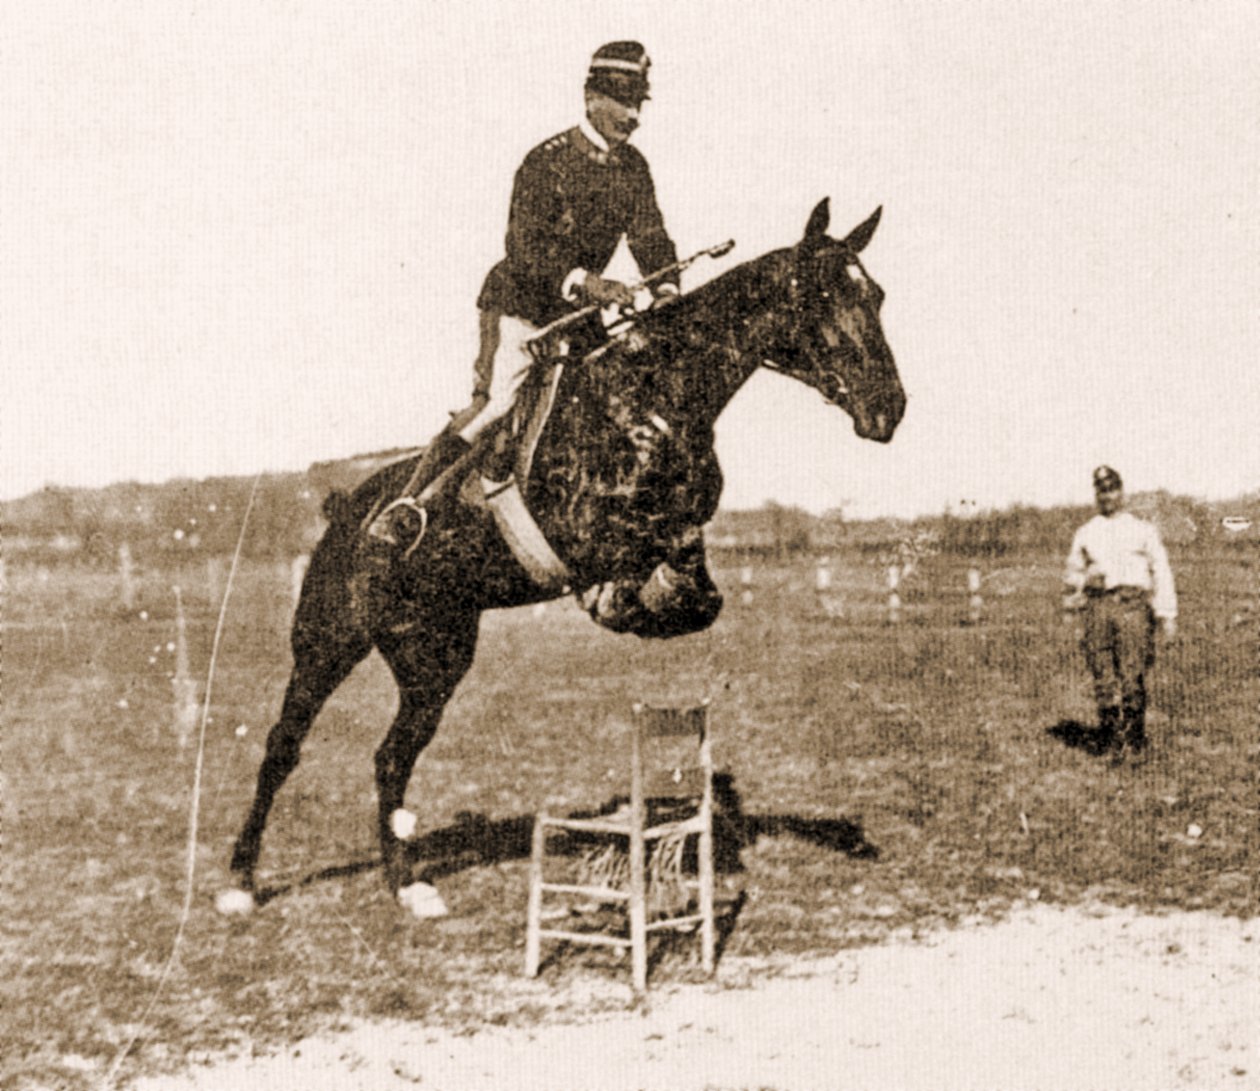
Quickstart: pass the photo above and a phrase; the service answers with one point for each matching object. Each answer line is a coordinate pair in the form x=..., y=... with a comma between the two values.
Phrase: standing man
x=574, y=198
x=1118, y=575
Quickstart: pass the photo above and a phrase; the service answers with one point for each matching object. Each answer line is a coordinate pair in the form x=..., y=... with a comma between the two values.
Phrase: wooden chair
x=671, y=798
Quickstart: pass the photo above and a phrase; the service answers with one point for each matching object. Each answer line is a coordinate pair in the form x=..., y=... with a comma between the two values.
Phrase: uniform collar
x=591, y=143
x=592, y=134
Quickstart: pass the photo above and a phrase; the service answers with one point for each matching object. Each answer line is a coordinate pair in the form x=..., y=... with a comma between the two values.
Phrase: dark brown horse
x=623, y=480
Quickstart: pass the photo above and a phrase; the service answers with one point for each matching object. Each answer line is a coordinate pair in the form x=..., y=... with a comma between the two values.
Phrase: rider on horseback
x=575, y=196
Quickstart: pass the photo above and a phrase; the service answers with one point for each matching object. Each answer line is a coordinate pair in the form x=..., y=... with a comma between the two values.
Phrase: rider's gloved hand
x=664, y=294
x=607, y=293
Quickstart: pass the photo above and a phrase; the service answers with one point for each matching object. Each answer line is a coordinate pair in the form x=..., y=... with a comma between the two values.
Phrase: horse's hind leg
x=318, y=670
x=428, y=660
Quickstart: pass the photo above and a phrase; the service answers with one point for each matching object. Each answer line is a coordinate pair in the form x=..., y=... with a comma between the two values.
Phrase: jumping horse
x=623, y=479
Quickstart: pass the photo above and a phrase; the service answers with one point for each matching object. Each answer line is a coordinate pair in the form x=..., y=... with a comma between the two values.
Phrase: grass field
x=885, y=775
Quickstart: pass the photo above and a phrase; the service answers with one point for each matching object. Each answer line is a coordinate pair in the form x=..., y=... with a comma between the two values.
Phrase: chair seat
x=614, y=824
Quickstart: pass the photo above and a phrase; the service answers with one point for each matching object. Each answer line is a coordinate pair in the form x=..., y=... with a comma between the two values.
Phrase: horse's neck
x=730, y=327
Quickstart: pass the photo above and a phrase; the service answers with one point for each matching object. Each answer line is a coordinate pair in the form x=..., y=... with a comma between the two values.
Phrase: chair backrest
x=671, y=759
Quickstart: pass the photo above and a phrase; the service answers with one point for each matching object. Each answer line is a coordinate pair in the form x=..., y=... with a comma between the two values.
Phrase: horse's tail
x=323, y=605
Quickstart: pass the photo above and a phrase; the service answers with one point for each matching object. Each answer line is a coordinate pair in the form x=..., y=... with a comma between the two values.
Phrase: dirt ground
x=1050, y=998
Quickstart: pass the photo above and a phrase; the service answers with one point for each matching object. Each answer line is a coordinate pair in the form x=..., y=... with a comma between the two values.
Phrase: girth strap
x=522, y=535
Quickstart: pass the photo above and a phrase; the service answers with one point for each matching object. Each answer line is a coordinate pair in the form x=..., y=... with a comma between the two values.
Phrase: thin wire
x=370, y=950
x=195, y=806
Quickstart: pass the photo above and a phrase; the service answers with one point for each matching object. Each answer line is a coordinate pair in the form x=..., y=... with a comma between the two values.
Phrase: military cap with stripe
x=620, y=71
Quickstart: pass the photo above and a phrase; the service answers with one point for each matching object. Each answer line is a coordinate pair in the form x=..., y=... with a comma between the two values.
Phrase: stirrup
x=377, y=531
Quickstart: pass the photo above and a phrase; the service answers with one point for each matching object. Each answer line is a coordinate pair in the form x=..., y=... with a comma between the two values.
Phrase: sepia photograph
x=570, y=546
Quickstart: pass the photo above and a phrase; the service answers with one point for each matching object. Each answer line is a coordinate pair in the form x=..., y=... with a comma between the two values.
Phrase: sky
x=245, y=236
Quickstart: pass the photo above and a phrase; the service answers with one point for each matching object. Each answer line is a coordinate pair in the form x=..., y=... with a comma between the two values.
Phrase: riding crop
x=537, y=343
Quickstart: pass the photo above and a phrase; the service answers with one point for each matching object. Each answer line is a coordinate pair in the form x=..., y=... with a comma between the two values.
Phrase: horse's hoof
x=234, y=903
x=422, y=900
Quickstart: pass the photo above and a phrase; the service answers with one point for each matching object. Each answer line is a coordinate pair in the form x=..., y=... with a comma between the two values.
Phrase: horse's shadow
x=1079, y=736
x=474, y=840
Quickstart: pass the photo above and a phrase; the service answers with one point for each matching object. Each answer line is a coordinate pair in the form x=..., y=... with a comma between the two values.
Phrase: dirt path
x=1048, y=999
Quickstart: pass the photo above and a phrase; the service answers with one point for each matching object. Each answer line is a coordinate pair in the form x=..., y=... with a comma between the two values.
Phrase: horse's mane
x=702, y=322
x=719, y=301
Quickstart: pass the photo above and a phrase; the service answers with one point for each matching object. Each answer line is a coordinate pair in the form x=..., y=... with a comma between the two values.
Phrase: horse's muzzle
x=879, y=421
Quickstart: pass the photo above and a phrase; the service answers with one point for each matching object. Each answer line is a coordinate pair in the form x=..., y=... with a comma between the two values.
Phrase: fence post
x=126, y=576
x=822, y=575
x=745, y=585
x=894, y=596
x=183, y=685
x=830, y=602
x=975, y=603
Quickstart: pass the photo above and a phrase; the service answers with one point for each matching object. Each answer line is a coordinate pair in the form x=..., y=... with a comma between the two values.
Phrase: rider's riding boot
x=403, y=521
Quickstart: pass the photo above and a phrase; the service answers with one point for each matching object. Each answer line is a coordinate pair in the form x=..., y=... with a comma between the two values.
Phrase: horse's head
x=836, y=343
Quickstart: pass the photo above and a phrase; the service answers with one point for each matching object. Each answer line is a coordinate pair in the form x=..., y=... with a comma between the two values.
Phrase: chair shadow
x=844, y=835
x=1078, y=736
x=473, y=840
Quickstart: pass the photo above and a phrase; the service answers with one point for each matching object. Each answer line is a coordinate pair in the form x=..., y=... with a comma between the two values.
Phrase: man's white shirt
x=1126, y=552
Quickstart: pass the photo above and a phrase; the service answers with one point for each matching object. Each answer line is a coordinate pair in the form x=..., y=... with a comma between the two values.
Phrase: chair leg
x=533, y=927
x=705, y=865
x=638, y=910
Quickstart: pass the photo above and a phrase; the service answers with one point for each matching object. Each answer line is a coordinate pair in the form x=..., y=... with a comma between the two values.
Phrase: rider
x=573, y=199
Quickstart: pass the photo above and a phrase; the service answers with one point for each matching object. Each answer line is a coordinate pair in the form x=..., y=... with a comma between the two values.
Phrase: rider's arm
x=647, y=236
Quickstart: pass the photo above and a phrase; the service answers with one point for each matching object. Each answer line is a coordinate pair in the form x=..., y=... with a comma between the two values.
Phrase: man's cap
x=1106, y=479
x=620, y=71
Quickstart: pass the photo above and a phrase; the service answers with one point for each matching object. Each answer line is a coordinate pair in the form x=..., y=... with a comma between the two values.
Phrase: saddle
x=505, y=468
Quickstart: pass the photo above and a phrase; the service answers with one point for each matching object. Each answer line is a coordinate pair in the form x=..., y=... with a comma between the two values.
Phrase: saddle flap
x=529, y=416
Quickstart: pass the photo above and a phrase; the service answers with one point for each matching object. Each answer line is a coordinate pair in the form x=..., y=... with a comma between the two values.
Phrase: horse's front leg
x=679, y=597
x=428, y=660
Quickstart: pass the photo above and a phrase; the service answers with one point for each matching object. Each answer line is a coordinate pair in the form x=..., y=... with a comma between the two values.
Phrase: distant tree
x=789, y=529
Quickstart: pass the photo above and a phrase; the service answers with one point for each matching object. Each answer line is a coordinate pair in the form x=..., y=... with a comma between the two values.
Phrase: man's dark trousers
x=1119, y=646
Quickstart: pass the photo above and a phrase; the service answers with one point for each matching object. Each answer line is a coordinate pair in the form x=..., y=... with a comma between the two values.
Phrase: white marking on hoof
x=422, y=900
x=234, y=902
x=403, y=823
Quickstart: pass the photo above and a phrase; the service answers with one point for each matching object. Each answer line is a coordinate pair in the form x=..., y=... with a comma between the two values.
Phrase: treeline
x=775, y=532
x=164, y=522
x=182, y=518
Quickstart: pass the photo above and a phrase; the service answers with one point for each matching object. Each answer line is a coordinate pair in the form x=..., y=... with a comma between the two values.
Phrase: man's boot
x=1108, y=737
x=403, y=522
x=1135, y=728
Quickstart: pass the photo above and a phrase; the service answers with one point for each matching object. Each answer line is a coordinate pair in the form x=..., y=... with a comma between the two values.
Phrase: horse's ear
x=861, y=235
x=818, y=221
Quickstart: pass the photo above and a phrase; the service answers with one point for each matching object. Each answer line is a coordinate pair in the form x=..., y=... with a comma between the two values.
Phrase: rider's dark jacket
x=571, y=203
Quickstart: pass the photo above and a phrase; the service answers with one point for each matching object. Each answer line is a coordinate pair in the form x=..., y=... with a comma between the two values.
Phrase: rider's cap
x=620, y=71
x=1106, y=479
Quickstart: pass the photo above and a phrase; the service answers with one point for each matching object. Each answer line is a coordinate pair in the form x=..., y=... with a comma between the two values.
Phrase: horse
x=624, y=478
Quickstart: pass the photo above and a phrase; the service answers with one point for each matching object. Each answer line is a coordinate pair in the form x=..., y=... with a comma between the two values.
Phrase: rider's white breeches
x=511, y=364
